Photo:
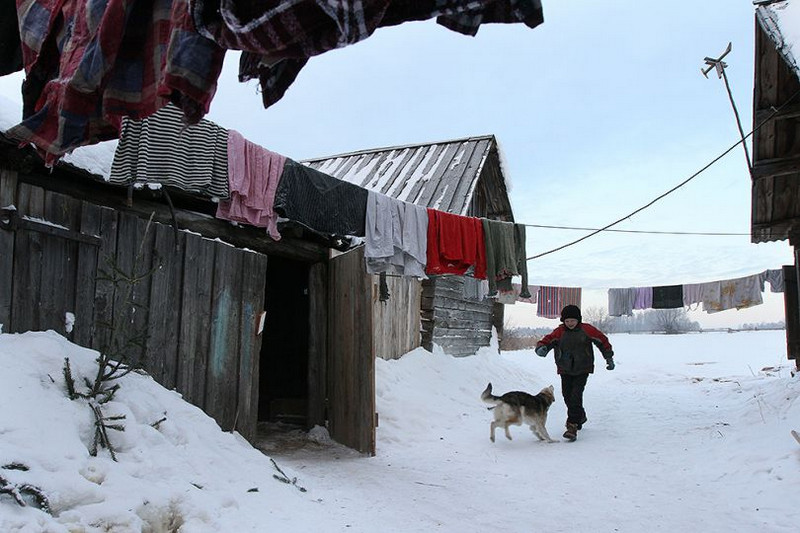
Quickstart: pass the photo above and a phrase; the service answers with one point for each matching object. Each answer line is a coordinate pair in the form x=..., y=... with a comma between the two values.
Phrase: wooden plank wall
x=776, y=146
x=197, y=299
x=792, y=307
x=459, y=325
x=397, y=320
x=8, y=188
x=351, y=361
x=317, y=344
x=42, y=273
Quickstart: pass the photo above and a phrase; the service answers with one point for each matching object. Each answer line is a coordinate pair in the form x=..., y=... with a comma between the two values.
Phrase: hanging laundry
x=551, y=300
x=396, y=236
x=775, y=279
x=692, y=294
x=570, y=296
x=278, y=40
x=505, y=294
x=737, y=293
x=505, y=257
x=162, y=149
x=533, y=290
x=644, y=298
x=88, y=64
x=253, y=176
x=321, y=202
x=620, y=301
x=455, y=245
x=668, y=297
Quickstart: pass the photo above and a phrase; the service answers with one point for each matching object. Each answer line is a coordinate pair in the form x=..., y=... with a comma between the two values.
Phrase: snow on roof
x=781, y=21
x=95, y=159
x=440, y=175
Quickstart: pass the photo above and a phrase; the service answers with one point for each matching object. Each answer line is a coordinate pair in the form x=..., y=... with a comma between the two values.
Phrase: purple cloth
x=644, y=298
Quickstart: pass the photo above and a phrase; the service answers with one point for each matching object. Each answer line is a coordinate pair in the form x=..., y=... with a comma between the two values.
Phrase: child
x=572, y=342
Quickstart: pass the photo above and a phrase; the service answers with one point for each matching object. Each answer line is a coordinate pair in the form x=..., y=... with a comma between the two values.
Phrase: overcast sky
x=598, y=111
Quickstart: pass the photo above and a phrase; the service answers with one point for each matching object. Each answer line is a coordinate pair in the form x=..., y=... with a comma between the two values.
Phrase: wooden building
x=313, y=363
x=461, y=176
x=776, y=144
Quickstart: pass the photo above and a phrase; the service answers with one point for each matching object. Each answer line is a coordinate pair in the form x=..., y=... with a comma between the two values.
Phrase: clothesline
x=714, y=296
x=775, y=111
x=707, y=233
x=256, y=186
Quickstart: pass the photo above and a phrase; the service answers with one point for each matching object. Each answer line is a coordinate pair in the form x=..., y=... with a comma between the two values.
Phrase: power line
x=675, y=188
x=639, y=231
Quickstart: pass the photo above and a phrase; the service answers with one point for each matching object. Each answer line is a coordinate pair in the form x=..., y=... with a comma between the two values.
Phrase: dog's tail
x=488, y=397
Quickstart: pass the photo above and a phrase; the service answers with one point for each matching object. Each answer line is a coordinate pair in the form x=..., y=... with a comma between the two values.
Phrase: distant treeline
x=664, y=321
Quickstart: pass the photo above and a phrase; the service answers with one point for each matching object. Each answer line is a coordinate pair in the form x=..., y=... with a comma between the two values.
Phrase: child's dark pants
x=572, y=391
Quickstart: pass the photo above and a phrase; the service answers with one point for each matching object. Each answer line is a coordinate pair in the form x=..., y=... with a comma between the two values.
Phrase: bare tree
x=599, y=318
x=672, y=321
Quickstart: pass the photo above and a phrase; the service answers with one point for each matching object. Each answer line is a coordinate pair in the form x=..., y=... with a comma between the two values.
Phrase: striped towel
x=163, y=149
x=551, y=300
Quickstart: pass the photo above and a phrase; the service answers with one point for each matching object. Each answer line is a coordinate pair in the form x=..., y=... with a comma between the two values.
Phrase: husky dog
x=515, y=408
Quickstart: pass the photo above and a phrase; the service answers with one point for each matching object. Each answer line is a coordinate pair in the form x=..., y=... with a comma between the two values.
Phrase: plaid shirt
x=88, y=64
x=278, y=41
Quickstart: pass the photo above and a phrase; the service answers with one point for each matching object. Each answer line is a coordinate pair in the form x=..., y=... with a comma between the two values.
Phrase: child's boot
x=572, y=431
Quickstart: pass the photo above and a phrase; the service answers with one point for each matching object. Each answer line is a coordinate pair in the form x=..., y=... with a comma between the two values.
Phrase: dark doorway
x=283, y=391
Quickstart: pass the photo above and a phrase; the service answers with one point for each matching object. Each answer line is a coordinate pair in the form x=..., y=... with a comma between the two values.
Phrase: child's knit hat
x=571, y=311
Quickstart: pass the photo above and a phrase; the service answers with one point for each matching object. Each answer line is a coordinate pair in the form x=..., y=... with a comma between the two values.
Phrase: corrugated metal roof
x=441, y=175
x=781, y=21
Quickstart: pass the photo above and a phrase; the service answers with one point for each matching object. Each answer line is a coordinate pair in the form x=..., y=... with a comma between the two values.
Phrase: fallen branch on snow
x=284, y=478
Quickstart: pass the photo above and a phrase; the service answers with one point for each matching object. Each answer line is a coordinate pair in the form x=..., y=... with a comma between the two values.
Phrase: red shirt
x=455, y=243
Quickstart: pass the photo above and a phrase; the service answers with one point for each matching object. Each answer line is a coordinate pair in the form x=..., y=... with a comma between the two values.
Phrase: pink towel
x=253, y=176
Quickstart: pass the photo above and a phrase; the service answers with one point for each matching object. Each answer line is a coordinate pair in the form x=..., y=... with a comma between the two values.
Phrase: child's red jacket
x=573, y=348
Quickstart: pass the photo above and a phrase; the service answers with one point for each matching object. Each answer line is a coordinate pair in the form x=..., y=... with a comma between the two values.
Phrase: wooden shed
x=461, y=176
x=201, y=308
x=776, y=143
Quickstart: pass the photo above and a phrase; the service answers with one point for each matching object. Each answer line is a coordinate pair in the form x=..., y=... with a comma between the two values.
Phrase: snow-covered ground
x=688, y=433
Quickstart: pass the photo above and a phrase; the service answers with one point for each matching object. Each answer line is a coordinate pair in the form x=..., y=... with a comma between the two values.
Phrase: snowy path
x=689, y=433
x=677, y=440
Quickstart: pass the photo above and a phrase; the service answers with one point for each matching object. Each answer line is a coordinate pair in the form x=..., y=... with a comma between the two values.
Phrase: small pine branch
x=18, y=492
x=101, y=434
x=284, y=478
x=69, y=380
x=16, y=466
x=39, y=497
